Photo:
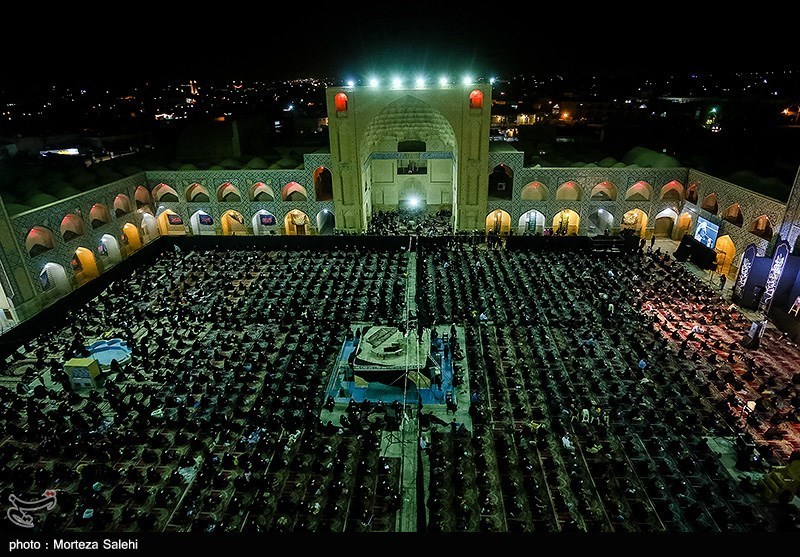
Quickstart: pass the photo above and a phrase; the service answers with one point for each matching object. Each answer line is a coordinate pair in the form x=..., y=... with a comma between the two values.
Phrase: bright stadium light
x=443, y=81
x=373, y=82
x=420, y=82
x=397, y=83
x=467, y=79
x=351, y=83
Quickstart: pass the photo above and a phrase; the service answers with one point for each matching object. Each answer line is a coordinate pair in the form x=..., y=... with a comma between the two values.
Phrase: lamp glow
x=467, y=79
x=420, y=82
x=413, y=201
x=351, y=83
x=373, y=82
x=491, y=81
x=397, y=83
x=443, y=81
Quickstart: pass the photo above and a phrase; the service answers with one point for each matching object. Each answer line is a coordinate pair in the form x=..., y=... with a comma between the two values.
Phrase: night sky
x=498, y=39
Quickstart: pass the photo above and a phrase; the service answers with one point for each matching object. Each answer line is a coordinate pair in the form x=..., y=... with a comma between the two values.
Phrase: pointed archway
x=296, y=223
x=664, y=224
x=53, y=278
x=264, y=223
x=600, y=221
x=566, y=223
x=131, y=237
x=499, y=222
x=202, y=224
x=109, y=251
x=531, y=222
x=84, y=266
x=635, y=220
x=726, y=251
x=326, y=222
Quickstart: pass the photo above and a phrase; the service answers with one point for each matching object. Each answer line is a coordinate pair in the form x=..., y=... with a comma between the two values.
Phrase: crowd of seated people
x=757, y=390
x=587, y=418
x=214, y=423
x=392, y=223
x=592, y=397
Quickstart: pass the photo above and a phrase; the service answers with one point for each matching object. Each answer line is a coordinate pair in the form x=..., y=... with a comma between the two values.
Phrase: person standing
x=722, y=280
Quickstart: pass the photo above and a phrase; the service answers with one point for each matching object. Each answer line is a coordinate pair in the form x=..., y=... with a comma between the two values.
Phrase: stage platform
x=343, y=390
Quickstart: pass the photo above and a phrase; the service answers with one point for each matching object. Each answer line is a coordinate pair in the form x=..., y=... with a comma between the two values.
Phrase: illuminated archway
x=501, y=182
x=202, y=224
x=761, y=227
x=323, y=184
x=108, y=250
x=568, y=191
x=39, y=240
x=640, y=191
x=665, y=223
x=232, y=223
x=131, y=237
x=604, y=191
x=733, y=215
x=84, y=266
x=142, y=197
x=726, y=251
x=149, y=227
x=531, y=222
x=710, y=203
x=535, y=191
x=600, y=220
x=53, y=278
x=296, y=223
x=673, y=191
x=98, y=215
x=197, y=193
x=566, y=222
x=635, y=220
x=229, y=193
x=122, y=205
x=71, y=227
x=326, y=222
x=683, y=225
x=170, y=223
x=692, y=194
x=264, y=223
x=261, y=192
x=294, y=192
x=498, y=221
x=165, y=193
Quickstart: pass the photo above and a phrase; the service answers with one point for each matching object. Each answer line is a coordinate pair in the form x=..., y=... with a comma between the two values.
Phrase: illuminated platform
x=377, y=370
